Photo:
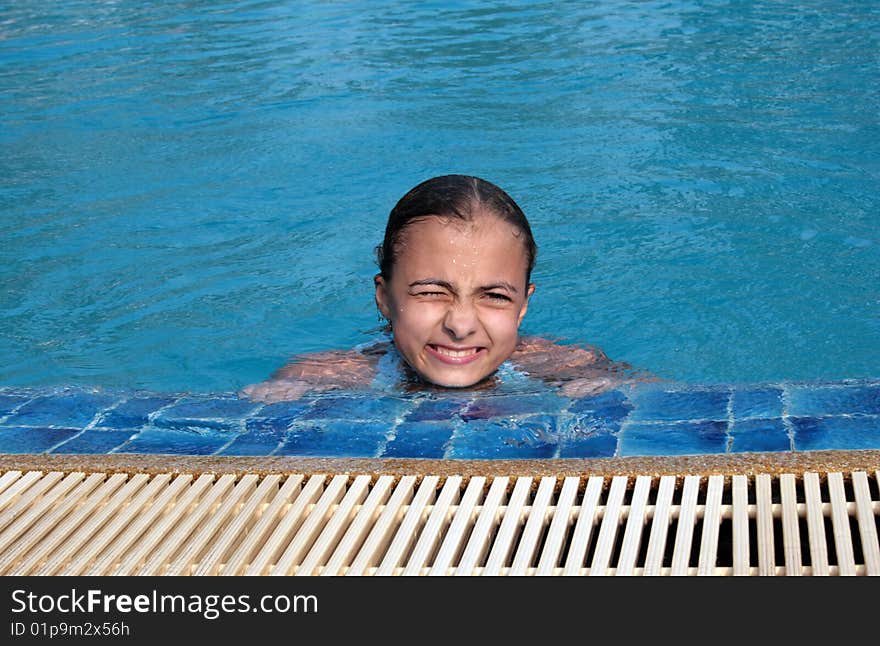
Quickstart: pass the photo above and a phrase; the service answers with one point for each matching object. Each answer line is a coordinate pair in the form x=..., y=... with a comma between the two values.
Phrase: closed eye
x=499, y=297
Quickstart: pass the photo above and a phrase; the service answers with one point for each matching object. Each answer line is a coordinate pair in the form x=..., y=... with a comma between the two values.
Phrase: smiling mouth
x=456, y=356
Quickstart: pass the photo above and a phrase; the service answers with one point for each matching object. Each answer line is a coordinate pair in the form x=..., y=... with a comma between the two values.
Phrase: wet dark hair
x=452, y=196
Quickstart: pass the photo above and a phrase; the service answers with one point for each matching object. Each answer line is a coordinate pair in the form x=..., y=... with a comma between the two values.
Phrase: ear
x=525, y=306
x=383, y=297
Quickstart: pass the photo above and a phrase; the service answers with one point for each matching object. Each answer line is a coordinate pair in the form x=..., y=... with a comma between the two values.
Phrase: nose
x=460, y=320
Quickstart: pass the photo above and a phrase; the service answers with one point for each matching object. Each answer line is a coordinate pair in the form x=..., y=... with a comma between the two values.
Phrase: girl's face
x=457, y=296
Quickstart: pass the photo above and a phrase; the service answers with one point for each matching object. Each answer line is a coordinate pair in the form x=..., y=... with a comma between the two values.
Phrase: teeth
x=455, y=353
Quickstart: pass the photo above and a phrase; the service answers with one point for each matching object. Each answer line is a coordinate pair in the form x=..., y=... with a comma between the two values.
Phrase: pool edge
x=822, y=461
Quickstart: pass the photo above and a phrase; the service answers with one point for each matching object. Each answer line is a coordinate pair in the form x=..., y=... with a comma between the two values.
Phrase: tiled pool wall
x=642, y=420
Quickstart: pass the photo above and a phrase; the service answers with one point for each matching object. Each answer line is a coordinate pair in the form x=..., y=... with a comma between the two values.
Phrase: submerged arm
x=577, y=370
x=318, y=371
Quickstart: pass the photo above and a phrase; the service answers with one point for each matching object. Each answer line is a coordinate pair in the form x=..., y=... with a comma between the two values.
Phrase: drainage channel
x=82, y=523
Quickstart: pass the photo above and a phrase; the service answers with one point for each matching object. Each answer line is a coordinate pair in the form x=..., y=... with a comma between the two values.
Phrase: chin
x=454, y=384
x=456, y=381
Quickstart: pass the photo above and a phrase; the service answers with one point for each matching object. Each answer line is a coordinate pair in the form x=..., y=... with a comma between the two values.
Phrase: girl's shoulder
x=374, y=348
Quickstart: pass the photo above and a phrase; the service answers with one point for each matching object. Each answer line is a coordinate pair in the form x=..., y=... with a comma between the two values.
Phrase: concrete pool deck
x=728, y=465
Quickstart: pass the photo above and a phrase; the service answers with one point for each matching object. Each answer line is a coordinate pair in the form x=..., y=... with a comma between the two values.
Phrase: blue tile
x=262, y=436
x=604, y=417
x=133, y=413
x=488, y=407
x=590, y=424
x=198, y=425
x=422, y=440
x=289, y=410
x=354, y=408
x=825, y=433
x=648, y=419
x=598, y=445
x=683, y=438
x=657, y=405
x=204, y=414
x=812, y=401
x=211, y=408
x=336, y=439
x=437, y=410
x=95, y=442
x=176, y=442
x=274, y=425
x=33, y=440
x=613, y=404
x=254, y=443
x=9, y=402
x=759, y=435
x=764, y=403
x=68, y=409
x=534, y=438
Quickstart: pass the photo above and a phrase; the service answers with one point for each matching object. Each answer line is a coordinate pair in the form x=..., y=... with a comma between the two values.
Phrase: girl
x=454, y=284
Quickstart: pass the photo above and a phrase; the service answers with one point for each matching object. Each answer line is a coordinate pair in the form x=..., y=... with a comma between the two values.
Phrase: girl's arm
x=318, y=371
x=577, y=370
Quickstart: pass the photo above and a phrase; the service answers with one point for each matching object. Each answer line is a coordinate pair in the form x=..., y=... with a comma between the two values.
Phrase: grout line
x=390, y=435
x=16, y=408
x=731, y=421
x=176, y=398
x=283, y=439
x=563, y=417
x=98, y=415
x=786, y=422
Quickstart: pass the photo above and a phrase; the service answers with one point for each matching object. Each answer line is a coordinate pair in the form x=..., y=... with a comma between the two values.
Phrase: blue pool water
x=191, y=192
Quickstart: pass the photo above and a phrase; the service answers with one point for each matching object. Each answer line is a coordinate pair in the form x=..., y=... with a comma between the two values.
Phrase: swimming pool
x=190, y=191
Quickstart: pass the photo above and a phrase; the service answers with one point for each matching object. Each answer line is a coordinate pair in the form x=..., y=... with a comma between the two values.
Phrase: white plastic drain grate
x=221, y=524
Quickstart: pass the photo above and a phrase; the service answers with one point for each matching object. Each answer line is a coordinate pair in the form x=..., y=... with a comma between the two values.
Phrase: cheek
x=501, y=322
x=415, y=319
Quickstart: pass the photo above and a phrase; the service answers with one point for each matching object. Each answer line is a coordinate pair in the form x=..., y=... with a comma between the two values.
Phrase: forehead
x=486, y=244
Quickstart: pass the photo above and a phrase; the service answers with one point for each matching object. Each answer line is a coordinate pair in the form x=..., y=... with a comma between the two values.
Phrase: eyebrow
x=447, y=285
